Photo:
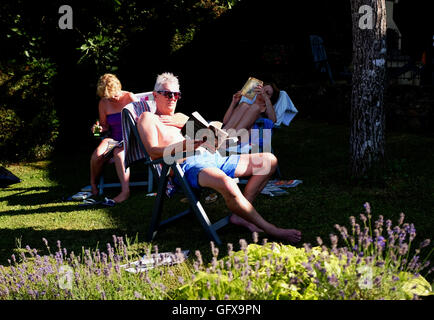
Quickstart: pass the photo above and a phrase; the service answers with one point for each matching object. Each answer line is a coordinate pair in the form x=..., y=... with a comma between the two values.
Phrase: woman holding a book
x=113, y=99
x=247, y=106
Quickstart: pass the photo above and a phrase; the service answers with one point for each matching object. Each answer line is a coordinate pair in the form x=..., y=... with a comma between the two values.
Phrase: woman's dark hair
x=276, y=92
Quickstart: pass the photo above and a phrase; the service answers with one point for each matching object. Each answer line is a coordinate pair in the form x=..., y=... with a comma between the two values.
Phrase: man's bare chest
x=169, y=134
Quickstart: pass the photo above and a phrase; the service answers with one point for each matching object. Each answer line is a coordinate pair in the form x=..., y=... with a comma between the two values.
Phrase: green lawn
x=314, y=152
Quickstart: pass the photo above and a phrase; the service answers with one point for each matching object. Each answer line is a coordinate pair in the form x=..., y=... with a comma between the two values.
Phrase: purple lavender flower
x=357, y=228
x=403, y=249
x=412, y=232
x=352, y=221
x=381, y=242
x=401, y=218
x=255, y=237
x=344, y=233
x=333, y=280
x=334, y=240
x=243, y=244
x=379, y=223
x=367, y=208
x=388, y=224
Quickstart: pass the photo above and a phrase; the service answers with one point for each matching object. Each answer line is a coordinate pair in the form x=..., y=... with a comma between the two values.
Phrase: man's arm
x=147, y=126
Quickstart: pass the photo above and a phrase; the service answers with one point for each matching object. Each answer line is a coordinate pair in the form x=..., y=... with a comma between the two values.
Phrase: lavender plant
x=376, y=262
x=92, y=275
x=372, y=265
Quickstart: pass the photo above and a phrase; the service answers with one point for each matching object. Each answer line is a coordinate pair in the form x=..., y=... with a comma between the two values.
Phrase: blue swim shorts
x=194, y=164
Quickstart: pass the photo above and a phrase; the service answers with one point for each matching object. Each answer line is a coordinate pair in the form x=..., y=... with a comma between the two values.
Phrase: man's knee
x=264, y=163
x=272, y=159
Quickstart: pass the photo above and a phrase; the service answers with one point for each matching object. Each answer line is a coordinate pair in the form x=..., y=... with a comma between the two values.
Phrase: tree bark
x=367, y=137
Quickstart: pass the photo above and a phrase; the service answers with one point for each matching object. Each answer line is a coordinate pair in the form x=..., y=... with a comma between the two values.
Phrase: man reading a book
x=162, y=130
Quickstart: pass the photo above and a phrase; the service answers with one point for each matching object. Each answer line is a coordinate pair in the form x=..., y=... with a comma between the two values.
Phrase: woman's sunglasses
x=170, y=94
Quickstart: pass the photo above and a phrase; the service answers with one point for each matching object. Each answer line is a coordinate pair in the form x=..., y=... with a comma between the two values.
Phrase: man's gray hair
x=166, y=77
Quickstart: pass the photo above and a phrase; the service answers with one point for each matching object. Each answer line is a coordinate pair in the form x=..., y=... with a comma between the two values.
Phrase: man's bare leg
x=239, y=205
x=260, y=167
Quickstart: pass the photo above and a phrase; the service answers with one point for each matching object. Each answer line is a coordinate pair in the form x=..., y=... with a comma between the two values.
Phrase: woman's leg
x=123, y=175
x=242, y=121
x=236, y=116
x=97, y=162
x=249, y=117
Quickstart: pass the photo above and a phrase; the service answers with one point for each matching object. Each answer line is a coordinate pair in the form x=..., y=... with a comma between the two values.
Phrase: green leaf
x=416, y=285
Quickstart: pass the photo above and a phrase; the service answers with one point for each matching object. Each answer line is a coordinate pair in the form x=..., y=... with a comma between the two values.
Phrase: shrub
x=31, y=127
x=370, y=267
x=93, y=275
x=271, y=271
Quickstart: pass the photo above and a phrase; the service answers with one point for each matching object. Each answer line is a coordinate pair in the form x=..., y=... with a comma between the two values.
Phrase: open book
x=248, y=89
x=197, y=128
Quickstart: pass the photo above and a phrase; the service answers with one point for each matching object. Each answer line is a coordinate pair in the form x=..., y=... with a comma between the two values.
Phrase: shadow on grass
x=20, y=191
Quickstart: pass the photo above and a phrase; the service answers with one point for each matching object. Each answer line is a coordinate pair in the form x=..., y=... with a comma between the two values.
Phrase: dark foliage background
x=48, y=76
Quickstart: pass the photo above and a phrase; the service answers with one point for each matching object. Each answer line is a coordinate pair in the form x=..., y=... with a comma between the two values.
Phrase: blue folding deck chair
x=135, y=151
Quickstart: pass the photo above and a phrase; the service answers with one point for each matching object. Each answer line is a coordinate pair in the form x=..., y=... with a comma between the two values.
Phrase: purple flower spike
x=381, y=242
x=425, y=243
x=367, y=208
x=401, y=218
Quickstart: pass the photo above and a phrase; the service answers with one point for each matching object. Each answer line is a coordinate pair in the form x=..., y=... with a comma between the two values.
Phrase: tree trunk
x=367, y=136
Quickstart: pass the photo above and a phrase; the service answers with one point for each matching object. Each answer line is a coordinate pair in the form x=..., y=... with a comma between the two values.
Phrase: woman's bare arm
x=102, y=110
x=269, y=111
x=235, y=100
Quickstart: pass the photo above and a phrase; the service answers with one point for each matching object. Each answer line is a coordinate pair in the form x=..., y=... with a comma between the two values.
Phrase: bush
x=31, y=126
x=10, y=125
x=93, y=275
x=370, y=267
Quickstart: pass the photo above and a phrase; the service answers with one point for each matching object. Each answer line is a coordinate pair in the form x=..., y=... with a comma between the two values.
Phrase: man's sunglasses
x=170, y=94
